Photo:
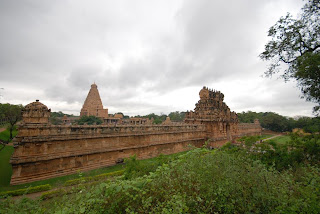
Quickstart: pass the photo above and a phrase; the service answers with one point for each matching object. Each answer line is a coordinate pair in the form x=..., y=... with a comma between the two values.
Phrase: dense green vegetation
x=275, y=122
x=60, y=114
x=157, y=119
x=28, y=190
x=89, y=120
x=250, y=178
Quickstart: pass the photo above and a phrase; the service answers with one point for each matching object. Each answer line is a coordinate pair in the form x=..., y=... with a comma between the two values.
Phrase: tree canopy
x=278, y=123
x=90, y=120
x=11, y=114
x=294, y=50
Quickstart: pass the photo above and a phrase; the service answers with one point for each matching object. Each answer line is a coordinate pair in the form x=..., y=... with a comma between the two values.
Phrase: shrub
x=200, y=181
x=53, y=193
x=26, y=190
x=93, y=178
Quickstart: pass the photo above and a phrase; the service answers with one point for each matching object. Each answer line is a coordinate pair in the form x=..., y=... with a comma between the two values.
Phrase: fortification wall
x=245, y=129
x=47, y=151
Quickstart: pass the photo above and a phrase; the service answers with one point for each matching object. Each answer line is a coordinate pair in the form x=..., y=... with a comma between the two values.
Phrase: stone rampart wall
x=245, y=129
x=46, y=151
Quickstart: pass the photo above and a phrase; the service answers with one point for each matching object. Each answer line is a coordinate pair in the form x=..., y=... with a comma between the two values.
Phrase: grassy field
x=5, y=166
x=5, y=135
x=5, y=154
x=281, y=139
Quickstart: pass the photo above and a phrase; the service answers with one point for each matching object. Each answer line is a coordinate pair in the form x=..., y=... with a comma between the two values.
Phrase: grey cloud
x=59, y=48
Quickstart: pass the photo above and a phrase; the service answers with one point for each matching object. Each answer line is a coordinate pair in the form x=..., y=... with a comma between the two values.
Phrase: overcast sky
x=145, y=56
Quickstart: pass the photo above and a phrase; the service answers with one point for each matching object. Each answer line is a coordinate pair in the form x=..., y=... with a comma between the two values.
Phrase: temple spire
x=93, y=105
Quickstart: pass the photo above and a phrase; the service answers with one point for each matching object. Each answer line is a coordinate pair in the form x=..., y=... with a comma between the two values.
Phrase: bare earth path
x=2, y=129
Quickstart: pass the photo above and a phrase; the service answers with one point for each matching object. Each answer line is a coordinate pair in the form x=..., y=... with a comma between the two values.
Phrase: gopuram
x=43, y=150
x=220, y=123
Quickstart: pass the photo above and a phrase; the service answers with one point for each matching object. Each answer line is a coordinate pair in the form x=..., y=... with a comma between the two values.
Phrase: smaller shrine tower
x=93, y=105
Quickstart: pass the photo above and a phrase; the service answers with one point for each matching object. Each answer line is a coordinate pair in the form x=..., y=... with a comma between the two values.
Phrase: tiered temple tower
x=215, y=114
x=92, y=105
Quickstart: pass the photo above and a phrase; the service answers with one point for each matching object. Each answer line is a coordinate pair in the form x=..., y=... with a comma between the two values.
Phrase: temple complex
x=43, y=150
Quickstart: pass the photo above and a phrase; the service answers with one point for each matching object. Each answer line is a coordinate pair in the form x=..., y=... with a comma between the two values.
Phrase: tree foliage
x=12, y=114
x=89, y=120
x=157, y=119
x=177, y=116
x=59, y=114
x=279, y=123
x=296, y=44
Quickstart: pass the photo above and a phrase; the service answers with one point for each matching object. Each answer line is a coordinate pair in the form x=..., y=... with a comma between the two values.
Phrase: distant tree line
x=275, y=122
x=55, y=117
x=174, y=116
x=60, y=114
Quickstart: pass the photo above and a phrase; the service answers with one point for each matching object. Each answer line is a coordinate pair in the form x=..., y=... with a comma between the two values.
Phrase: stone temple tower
x=92, y=105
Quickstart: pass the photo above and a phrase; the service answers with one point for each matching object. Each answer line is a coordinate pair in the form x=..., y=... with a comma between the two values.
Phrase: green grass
x=282, y=139
x=5, y=166
x=265, y=136
x=5, y=154
x=5, y=135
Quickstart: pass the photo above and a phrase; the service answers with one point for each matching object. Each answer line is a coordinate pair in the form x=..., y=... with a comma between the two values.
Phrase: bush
x=137, y=168
x=26, y=190
x=205, y=181
x=200, y=181
x=53, y=193
x=93, y=178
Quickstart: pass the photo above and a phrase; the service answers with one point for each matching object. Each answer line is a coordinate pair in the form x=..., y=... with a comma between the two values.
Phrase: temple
x=214, y=114
x=43, y=150
x=93, y=105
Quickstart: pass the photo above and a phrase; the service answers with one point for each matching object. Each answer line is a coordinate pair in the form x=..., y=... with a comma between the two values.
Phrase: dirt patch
x=2, y=129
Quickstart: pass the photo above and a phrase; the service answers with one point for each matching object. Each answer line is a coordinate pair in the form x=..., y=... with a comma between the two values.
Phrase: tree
x=90, y=120
x=177, y=116
x=12, y=114
x=275, y=122
x=296, y=44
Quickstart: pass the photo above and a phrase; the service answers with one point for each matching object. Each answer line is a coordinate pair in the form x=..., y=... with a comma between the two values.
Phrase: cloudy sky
x=144, y=55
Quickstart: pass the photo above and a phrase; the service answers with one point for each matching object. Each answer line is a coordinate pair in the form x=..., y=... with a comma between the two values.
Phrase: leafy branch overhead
x=294, y=50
